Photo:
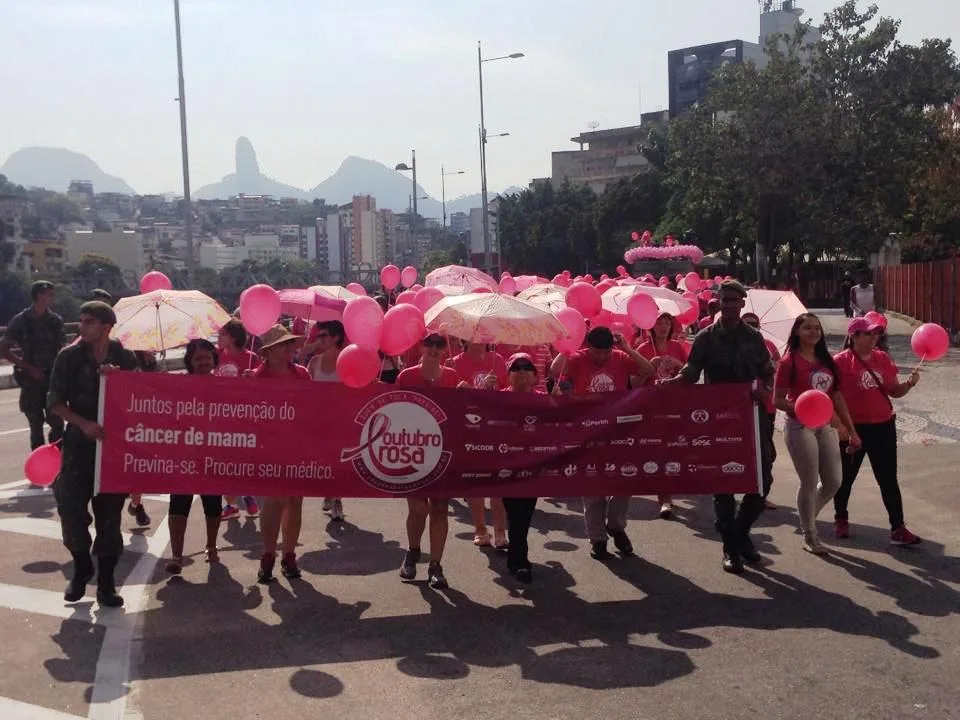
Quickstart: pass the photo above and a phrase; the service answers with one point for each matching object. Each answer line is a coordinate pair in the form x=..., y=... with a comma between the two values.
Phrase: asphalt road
x=867, y=632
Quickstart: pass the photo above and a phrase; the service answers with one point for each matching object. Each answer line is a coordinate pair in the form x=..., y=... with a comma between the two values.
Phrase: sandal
x=174, y=565
x=501, y=542
x=212, y=555
x=767, y=505
x=482, y=540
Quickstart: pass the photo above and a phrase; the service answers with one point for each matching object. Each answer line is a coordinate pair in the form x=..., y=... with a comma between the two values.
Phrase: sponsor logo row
x=626, y=470
x=699, y=417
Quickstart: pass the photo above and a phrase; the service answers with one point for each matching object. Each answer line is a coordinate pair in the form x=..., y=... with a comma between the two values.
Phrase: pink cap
x=862, y=325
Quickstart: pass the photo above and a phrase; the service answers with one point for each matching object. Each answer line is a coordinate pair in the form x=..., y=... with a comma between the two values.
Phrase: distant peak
x=246, y=159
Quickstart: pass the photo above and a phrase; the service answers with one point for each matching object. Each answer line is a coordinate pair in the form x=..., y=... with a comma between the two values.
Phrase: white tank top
x=321, y=376
x=864, y=297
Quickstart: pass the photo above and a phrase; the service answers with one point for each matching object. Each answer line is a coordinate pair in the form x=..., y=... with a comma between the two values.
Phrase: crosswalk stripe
x=11, y=709
x=52, y=604
x=50, y=529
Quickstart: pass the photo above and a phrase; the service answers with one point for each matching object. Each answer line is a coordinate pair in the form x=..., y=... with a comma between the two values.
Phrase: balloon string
x=917, y=368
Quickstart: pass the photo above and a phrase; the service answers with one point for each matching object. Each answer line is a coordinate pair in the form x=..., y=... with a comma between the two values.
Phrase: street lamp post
x=188, y=210
x=483, y=151
x=412, y=168
x=443, y=190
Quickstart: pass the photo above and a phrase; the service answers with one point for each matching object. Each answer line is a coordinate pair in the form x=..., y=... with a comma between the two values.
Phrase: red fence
x=925, y=291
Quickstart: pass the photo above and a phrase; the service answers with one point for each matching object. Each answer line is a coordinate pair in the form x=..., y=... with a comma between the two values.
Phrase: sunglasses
x=522, y=367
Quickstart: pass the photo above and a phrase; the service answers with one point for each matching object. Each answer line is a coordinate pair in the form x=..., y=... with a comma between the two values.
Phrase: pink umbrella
x=615, y=299
x=546, y=295
x=311, y=305
x=527, y=281
x=335, y=292
x=470, y=279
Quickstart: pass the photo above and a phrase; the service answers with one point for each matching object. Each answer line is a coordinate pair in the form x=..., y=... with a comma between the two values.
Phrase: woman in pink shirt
x=234, y=361
x=429, y=373
x=279, y=345
x=667, y=357
x=815, y=452
x=869, y=378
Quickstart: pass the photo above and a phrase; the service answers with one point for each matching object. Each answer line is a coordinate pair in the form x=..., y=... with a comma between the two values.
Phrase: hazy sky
x=310, y=81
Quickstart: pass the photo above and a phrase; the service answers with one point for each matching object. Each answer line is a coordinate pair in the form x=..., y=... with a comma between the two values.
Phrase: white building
x=124, y=247
x=219, y=257
x=372, y=250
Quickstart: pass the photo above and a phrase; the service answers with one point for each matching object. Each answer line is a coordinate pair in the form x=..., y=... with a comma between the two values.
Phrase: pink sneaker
x=251, y=506
x=230, y=511
x=841, y=528
x=902, y=536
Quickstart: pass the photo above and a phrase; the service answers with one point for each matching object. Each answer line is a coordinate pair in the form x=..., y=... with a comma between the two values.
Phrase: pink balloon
x=875, y=318
x=390, y=276
x=416, y=287
x=604, y=277
x=408, y=276
x=814, y=408
x=566, y=273
x=588, y=278
x=356, y=288
x=427, y=297
x=642, y=310
x=604, y=318
x=563, y=280
x=692, y=281
x=706, y=296
x=930, y=342
x=358, y=366
x=578, y=278
x=154, y=280
x=508, y=286
x=403, y=327
x=43, y=465
x=405, y=298
x=605, y=285
x=363, y=321
x=576, y=328
x=664, y=282
x=259, y=308
x=621, y=270
x=634, y=236
x=584, y=298
x=692, y=297
x=678, y=278
x=689, y=317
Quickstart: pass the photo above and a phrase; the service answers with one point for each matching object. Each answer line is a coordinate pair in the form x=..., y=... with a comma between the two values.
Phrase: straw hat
x=277, y=335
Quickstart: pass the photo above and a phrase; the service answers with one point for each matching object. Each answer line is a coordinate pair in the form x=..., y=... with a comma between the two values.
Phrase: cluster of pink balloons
x=391, y=276
x=371, y=330
x=154, y=280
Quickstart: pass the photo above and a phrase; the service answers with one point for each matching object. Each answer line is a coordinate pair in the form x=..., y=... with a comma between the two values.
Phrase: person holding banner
x=815, y=451
x=666, y=356
x=429, y=373
x=233, y=361
x=869, y=378
x=729, y=351
x=200, y=359
x=74, y=397
x=601, y=367
x=522, y=377
x=279, y=345
x=329, y=339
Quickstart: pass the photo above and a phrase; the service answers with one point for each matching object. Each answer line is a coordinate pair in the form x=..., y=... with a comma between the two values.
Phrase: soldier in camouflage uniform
x=39, y=334
x=74, y=395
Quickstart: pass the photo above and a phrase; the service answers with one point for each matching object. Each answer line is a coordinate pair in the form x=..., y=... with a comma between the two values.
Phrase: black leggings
x=880, y=445
x=180, y=505
x=519, y=515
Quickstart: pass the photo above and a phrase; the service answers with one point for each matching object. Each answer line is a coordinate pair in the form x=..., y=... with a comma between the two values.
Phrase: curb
x=911, y=321
x=7, y=382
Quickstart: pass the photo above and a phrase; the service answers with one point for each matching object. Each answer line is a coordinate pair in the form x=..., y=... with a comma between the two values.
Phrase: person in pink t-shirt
x=815, y=452
x=279, y=345
x=429, y=373
x=667, y=357
x=602, y=368
x=768, y=449
x=869, y=379
x=479, y=367
x=233, y=361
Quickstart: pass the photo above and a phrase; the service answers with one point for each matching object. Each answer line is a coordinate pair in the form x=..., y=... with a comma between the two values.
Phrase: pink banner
x=245, y=436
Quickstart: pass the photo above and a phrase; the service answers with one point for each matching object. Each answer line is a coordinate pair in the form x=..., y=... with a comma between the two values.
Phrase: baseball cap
x=862, y=325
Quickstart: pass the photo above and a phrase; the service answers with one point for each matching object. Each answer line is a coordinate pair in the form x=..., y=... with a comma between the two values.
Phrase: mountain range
x=54, y=168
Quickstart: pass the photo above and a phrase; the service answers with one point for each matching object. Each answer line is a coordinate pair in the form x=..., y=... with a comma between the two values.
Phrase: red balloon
x=358, y=366
x=814, y=408
x=634, y=236
x=403, y=327
x=356, y=288
x=604, y=318
x=930, y=342
x=362, y=321
x=155, y=280
x=584, y=298
x=406, y=297
x=642, y=310
x=508, y=286
x=566, y=273
x=390, y=276
x=408, y=276
x=692, y=281
x=427, y=298
x=604, y=276
x=43, y=465
x=416, y=287
x=588, y=278
x=706, y=296
x=576, y=328
x=259, y=308
x=621, y=270
x=562, y=280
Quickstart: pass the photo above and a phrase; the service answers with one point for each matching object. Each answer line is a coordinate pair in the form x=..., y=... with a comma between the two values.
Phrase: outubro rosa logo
x=401, y=442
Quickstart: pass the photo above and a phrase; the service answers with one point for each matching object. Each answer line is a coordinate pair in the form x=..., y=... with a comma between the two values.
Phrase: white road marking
x=50, y=529
x=24, y=492
x=11, y=432
x=52, y=604
x=16, y=710
x=110, y=685
x=15, y=483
